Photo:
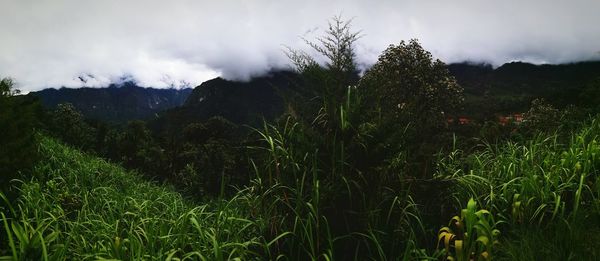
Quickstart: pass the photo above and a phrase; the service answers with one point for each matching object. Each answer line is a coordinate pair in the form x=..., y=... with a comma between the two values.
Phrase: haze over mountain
x=115, y=103
x=509, y=88
x=240, y=102
x=513, y=86
x=248, y=102
x=165, y=43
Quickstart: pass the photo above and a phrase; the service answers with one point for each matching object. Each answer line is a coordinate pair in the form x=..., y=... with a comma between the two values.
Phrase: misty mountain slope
x=512, y=86
x=508, y=88
x=115, y=104
x=240, y=102
x=518, y=77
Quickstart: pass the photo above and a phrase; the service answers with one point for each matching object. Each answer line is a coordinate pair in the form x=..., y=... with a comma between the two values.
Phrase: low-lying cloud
x=73, y=43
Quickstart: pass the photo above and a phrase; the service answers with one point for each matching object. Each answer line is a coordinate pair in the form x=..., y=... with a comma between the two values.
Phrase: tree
x=408, y=96
x=590, y=94
x=345, y=152
x=19, y=117
x=7, y=88
x=68, y=124
x=541, y=117
x=138, y=150
x=324, y=87
x=212, y=156
x=406, y=85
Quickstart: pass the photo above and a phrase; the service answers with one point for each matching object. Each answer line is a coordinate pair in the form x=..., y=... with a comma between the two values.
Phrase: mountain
x=239, y=102
x=523, y=77
x=512, y=86
x=508, y=88
x=488, y=91
x=116, y=103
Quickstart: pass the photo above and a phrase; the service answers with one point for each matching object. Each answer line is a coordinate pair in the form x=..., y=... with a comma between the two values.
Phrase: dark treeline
x=196, y=158
x=197, y=154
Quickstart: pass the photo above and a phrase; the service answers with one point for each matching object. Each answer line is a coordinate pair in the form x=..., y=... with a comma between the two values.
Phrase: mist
x=177, y=43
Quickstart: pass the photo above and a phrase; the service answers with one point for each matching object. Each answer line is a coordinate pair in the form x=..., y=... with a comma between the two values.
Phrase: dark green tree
x=212, y=158
x=138, y=150
x=346, y=145
x=541, y=117
x=324, y=150
x=19, y=118
x=407, y=85
x=408, y=95
x=69, y=125
x=325, y=85
x=590, y=95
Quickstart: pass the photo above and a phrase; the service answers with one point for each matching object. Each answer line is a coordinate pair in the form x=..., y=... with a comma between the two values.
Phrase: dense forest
x=412, y=159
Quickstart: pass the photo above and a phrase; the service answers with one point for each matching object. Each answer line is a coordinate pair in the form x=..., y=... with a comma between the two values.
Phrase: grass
x=545, y=191
x=79, y=207
x=532, y=200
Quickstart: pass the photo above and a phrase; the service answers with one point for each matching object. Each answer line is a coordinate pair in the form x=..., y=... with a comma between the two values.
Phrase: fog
x=73, y=43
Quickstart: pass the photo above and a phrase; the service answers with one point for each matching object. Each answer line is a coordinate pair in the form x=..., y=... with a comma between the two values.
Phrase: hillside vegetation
x=542, y=201
x=79, y=207
x=382, y=165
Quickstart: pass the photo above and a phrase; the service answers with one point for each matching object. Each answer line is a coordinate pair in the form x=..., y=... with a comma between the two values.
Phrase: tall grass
x=79, y=207
x=543, y=195
x=288, y=180
x=320, y=205
x=536, y=185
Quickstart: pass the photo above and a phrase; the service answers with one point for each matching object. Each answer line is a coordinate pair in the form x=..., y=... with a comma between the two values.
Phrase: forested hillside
x=116, y=103
x=411, y=159
x=512, y=87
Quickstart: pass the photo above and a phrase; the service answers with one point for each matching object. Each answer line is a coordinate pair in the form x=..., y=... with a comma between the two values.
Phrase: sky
x=177, y=43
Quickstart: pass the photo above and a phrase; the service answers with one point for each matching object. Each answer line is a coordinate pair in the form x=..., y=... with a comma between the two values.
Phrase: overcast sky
x=53, y=43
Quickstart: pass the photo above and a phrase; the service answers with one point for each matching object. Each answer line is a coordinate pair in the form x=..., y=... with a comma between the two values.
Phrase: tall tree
x=408, y=85
x=325, y=84
x=409, y=95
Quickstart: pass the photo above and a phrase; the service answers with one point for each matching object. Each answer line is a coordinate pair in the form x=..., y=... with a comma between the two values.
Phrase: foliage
x=83, y=208
x=212, y=158
x=408, y=95
x=539, y=184
x=138, y=150
x=590, y=94
x=542, y=116
x=19, y=118
x=195, y=159
x=321, y=164
x=68, y=124
x=347, y=167
x=470, y=236
x=407, y=84
x=324, y=87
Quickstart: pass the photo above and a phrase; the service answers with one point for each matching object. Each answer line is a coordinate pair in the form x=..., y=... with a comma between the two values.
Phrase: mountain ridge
x=248, y=102
x=115, y=104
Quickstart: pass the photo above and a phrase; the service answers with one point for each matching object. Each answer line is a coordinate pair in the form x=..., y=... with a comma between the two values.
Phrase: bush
x=68, y=124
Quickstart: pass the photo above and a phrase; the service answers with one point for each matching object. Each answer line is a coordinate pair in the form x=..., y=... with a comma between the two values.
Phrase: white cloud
x=50, y=43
